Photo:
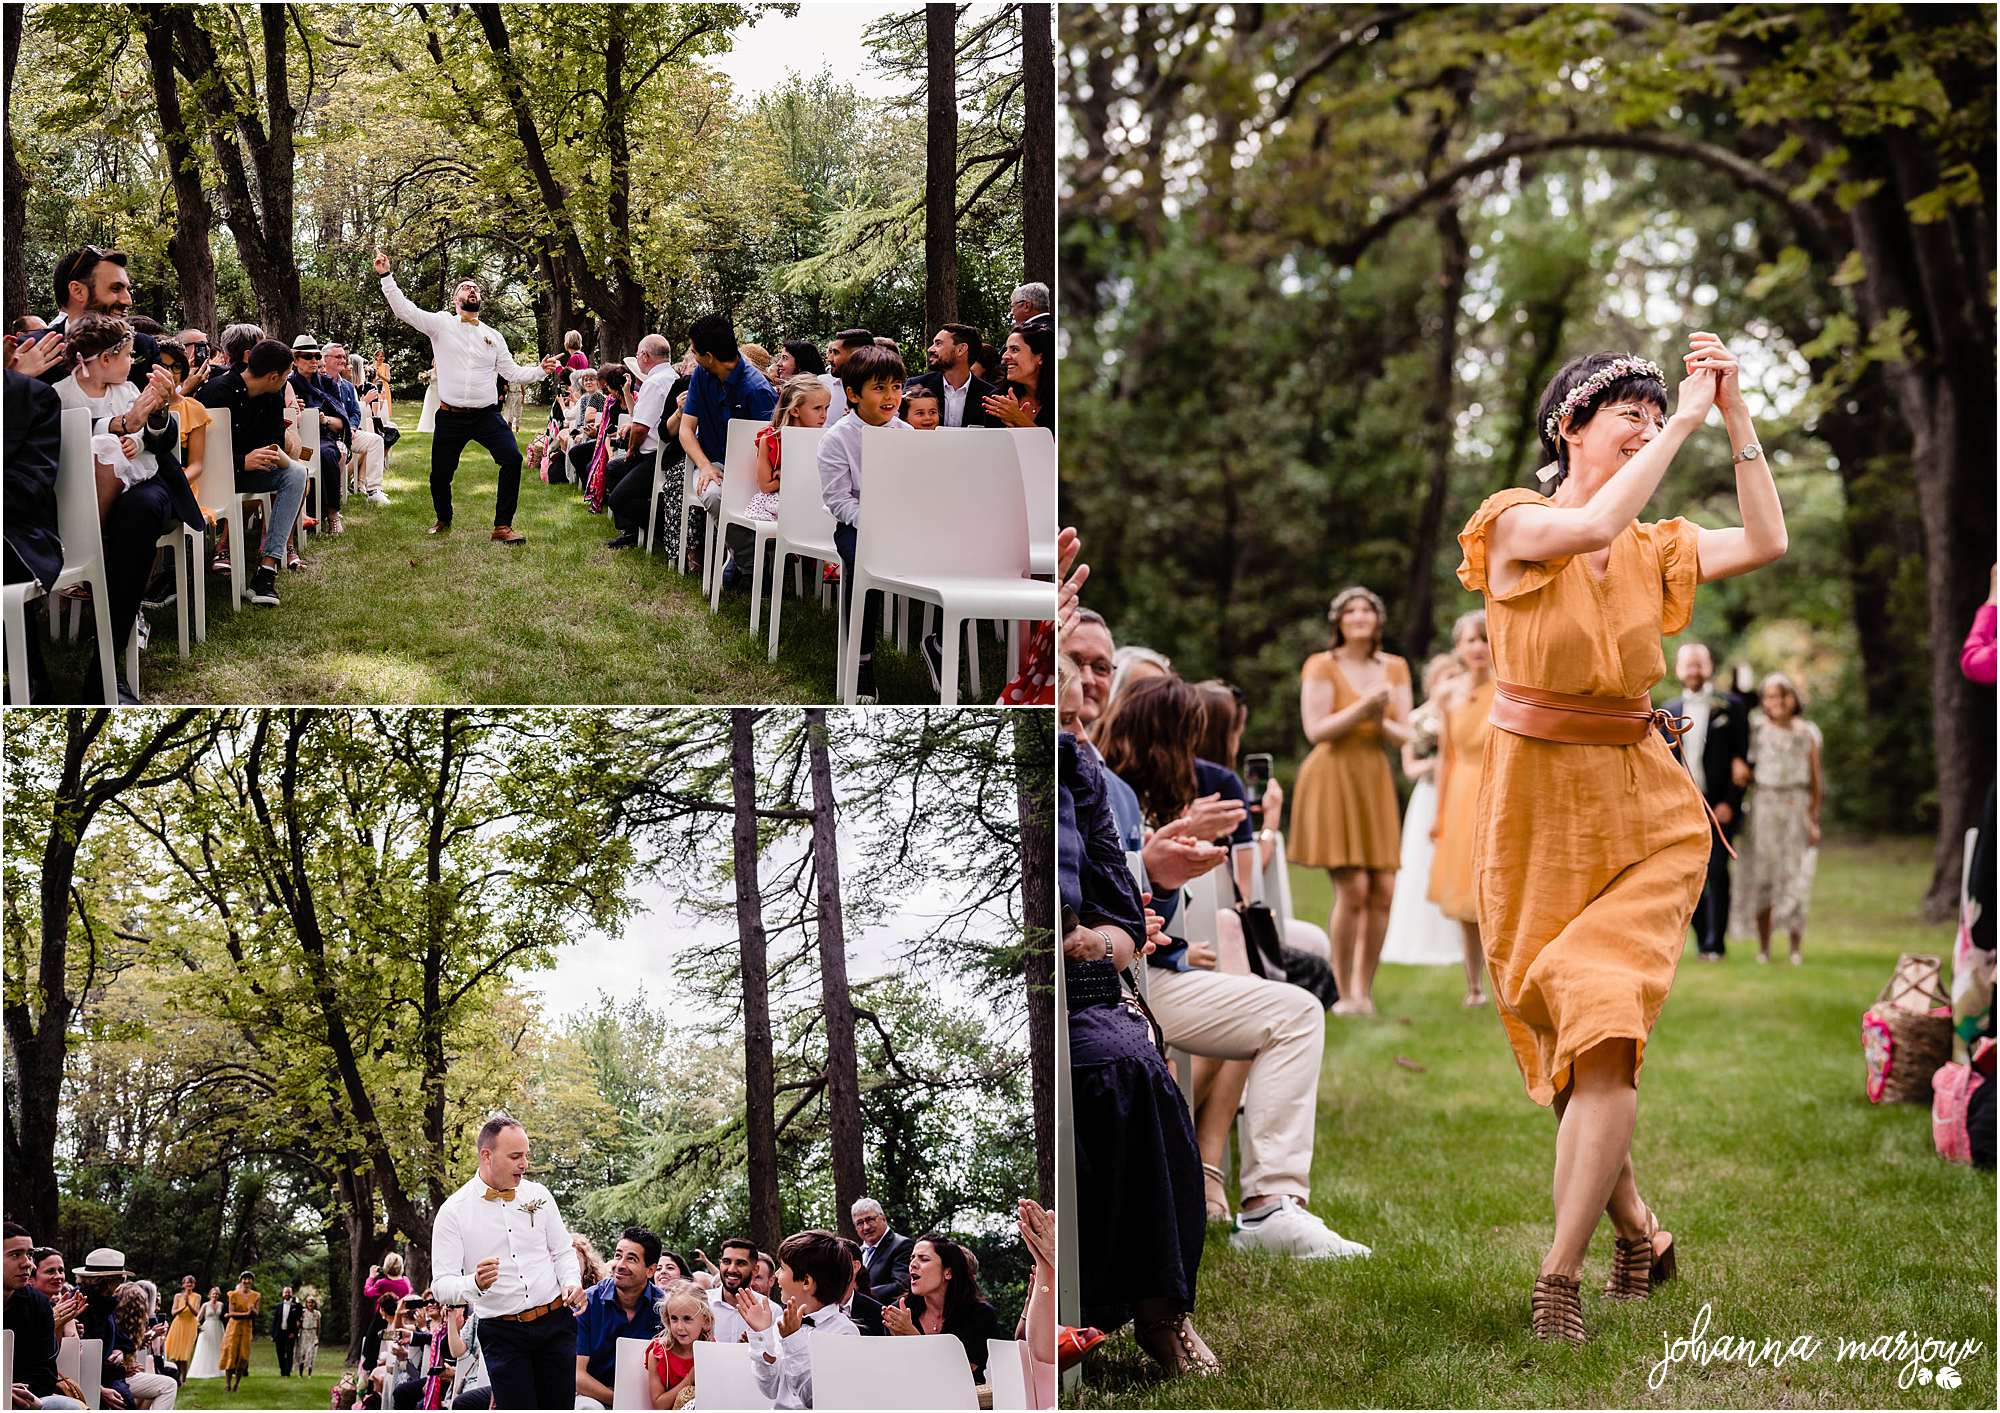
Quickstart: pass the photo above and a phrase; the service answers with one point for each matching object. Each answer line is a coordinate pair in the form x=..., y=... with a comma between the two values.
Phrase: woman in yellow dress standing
x=1592, y=842
x=185, y=1327
x=1353, y=699
x=243, y=1303
x=1463, y=711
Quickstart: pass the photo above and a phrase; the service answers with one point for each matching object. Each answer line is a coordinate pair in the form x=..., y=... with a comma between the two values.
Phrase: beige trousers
x=368, y=446
x=1281, y=1030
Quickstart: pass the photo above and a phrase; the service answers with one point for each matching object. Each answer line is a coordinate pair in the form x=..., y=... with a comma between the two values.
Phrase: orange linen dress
x=1587, y=860
x=1344, y=809
x=186, y=1326
x=1461, y=747
x=236, y=1339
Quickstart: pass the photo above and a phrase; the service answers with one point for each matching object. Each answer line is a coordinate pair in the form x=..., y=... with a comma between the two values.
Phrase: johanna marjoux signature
x=1923, y=1360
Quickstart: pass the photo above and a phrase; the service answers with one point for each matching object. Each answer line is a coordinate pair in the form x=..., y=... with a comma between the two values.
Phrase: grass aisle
x=262, y=1388
x=1799, y=1207
x=386, y=613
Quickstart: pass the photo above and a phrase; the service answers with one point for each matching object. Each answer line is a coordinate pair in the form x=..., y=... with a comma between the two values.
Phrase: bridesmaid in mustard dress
x=243, y=1303
x=185, y=1328
x=1464, y=709
x=1353, y=700
x=1592, y=842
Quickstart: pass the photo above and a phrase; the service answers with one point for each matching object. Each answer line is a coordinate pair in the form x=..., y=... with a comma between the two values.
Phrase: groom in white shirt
x=469, y=357
x=499, y=1245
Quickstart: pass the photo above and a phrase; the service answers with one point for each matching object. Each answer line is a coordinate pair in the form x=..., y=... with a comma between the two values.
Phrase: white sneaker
x=377, y=498
x=1293, y=1231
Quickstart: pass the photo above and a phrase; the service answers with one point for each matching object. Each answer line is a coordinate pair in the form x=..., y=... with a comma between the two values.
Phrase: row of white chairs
x=79, y=1360
x=911, y=1371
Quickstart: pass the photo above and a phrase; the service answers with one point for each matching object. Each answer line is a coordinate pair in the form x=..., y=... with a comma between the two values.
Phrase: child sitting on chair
x=872, y=377
x=921, y=408
x=685, y=1316
x=802, y=402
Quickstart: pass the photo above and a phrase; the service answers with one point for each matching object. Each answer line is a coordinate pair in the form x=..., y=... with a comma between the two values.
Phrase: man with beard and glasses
x=92, y=281
x=737, y=1267
x=469, y=356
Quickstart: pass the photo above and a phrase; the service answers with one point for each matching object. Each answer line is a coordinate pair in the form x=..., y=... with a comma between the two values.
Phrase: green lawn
x=1799, y=1207
x=262, y=1388
x=388, y=614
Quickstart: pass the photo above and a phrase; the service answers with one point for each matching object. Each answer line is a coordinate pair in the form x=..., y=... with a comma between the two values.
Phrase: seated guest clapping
x=624, y=1305
x=1029, y=399
x=945, y=1298
x=265, y=457
x=629, y=479
x=135, y=445
x=873, y=381
x=814, y=1272
x=734, y=1272
x=686, y=1317
x=600, y=436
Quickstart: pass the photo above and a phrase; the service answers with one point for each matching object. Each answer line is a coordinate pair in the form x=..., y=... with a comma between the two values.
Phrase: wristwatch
x=1751, y=451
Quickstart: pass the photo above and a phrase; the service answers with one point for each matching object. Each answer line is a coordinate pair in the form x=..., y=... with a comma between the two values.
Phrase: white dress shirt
x=1694, y=706
x=840, y=468
x=784, y=1367
x=951, y=406
x=537, y=1263
x=729, y=1326
x=469, y=356
x=650, y=408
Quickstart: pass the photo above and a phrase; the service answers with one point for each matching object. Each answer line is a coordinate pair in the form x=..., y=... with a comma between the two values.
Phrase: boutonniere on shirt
x=533, y=1207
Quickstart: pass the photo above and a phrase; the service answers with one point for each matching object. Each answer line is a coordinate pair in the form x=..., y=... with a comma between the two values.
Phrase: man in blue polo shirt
x=723, y=385
x=624, y=1305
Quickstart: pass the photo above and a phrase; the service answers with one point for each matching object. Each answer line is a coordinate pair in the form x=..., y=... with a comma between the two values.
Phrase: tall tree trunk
x=357, y=1199
x=1034, y=775
x=194, y=218
x=14, y=285
x=941, y=167
x=843, y=1084
x=760, y=1117
x=1038, y=145
x=1417, y=597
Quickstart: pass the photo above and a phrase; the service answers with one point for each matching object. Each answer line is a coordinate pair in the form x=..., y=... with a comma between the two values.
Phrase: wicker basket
x=1906, y=1034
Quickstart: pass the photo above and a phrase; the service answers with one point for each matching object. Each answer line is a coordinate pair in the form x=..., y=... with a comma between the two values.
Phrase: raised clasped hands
x=1037, y=1226
x=1706, y=351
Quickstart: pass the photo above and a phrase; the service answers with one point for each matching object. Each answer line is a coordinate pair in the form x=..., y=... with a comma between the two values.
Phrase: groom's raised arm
x=399, y=303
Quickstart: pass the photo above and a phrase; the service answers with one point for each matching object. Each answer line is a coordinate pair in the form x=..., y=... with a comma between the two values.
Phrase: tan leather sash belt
x=1575, y=719
x=526, y=1316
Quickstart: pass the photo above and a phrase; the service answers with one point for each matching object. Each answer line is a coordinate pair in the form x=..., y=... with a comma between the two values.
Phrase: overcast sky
x=825, y=33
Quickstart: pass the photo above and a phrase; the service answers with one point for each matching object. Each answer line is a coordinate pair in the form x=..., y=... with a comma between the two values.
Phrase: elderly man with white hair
x=1028, y=301
x=366, y=447
x=885, y=1255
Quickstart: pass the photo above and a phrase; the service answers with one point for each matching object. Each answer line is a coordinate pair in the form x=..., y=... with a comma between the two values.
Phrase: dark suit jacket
x=976, y=390
x=33, y=447
x=866, y=1312
x=315, y=392
x=888, y=1271
x=1728, y=740
x=283, y=1323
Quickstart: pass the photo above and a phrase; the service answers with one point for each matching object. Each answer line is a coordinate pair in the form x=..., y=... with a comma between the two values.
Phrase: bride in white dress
x=207, y=1362
x=1419, y=933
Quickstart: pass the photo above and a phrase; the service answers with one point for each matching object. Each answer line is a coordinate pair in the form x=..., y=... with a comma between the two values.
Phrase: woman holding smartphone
x=1591, y=840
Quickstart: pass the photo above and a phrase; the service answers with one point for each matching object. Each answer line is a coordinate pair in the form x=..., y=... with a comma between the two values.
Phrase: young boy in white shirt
x=813, y=1273
x=872, y=378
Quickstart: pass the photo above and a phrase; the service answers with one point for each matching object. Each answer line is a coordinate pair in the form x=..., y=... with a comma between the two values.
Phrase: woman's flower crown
x=1616, y=370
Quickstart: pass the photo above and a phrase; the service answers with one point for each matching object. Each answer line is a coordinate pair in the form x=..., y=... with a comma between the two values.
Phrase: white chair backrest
x=7, y=1366
x=76, y=491
x=1278, y=882
x=1036, y=446
x=1007, y=1373
x=218, y=463
x=739, y=464
x=629, y=1390
x=1199, y=902
x=915, y=1371
x=309, y=435
x=82, y=1362
x=802, y=516
x=947, y=502
x=726, y=1377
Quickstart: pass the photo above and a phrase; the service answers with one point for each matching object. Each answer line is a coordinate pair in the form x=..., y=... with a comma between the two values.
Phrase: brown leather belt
x=525, y=1316
x=444, y=406
x=1579, y=719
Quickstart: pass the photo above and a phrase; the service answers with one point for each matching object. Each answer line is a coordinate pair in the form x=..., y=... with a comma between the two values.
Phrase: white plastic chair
x=1036, y=446
x=726, y=1377
x=914, y=1371
x=1007, y=1374
x=308, y=434
x=83, y=548
x=7, y=1367
x=628, y=1389
x=14, y=601
x=659, y=494
x=1278, y=883
x=943, y=520
x=804, y=527
x=230, y=506
x=82, y=1362
x=739, y=484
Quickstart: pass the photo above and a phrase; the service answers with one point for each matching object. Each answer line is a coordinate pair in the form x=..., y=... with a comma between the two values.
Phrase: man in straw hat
x=126, y=1382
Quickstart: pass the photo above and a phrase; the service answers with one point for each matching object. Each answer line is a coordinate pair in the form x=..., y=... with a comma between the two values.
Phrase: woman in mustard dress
x=1464, y=709
x=1592, y=842
x=243, y=1303
x=185, y=1327
x=1353, y=700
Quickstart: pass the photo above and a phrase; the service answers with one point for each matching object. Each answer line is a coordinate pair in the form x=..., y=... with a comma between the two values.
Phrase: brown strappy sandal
x=1215, y=1193
x=1557, y=1309
x=1175, y=1346
x=1636, y=1266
